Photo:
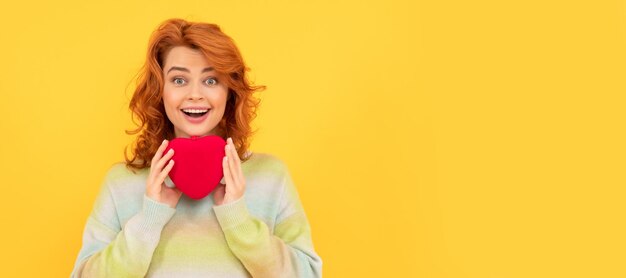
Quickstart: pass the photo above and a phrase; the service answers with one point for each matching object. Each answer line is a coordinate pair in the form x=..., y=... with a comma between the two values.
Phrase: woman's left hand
x=235, y=182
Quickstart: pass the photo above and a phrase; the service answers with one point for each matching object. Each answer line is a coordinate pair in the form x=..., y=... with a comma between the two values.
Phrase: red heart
x=198, y=164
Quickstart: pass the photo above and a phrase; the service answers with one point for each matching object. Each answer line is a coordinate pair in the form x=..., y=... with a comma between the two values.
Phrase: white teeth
x=195, y=110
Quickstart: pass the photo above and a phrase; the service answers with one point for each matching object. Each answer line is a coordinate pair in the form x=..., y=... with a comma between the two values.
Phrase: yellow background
x=426, y=138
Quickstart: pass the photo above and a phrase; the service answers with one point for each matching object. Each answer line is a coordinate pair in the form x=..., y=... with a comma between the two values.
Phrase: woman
x=194, y=84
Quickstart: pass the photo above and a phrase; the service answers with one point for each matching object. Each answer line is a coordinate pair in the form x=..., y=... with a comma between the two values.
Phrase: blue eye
x=211, y=81
x=178, y=81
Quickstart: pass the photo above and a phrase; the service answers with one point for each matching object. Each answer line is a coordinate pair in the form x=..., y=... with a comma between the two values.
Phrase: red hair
x=147, y=101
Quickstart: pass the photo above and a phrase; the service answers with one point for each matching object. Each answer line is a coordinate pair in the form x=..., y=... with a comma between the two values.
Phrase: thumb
x=218, y=193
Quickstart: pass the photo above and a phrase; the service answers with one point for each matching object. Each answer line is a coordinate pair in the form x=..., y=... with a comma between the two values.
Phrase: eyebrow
x=187, y=70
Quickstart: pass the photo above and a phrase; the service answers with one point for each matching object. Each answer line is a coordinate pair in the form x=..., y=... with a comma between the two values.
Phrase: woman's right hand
x=159, y=169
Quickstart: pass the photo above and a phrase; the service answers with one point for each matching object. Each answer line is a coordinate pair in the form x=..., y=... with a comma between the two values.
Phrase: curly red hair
x=147, y=102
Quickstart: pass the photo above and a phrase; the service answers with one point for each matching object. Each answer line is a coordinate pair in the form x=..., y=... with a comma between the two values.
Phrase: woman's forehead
x=184, y=57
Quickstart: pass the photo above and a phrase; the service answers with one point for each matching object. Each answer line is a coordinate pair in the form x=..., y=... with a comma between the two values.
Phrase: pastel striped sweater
x=263, y=234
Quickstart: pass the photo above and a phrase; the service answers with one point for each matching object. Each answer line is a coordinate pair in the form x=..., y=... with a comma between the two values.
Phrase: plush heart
x=197, y=164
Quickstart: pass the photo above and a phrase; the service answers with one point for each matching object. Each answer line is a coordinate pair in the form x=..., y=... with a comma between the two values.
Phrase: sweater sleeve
x=288, y=252
x=110, y=250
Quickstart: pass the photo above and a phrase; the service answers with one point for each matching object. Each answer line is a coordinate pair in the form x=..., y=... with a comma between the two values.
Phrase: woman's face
x=194, y=97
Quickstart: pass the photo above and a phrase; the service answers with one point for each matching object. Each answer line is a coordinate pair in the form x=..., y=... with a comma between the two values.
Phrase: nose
x=195, y=92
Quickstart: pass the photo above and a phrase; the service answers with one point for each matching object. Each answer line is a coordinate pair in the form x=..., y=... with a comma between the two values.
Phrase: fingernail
x=164, y=140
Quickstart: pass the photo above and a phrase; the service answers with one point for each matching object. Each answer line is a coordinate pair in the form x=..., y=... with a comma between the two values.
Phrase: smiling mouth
x=195, y=115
